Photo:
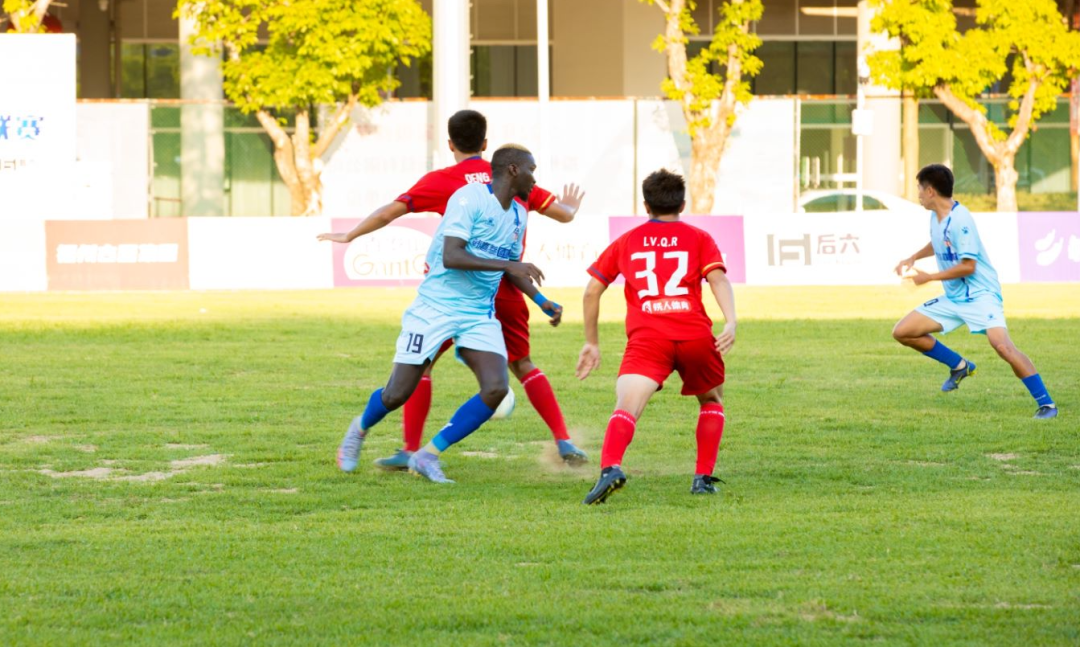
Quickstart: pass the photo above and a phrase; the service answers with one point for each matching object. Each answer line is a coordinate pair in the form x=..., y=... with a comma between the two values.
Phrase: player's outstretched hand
x=572, y=195
x=903, y=266
x=588, y=361
x=333, y=238
x=553, y=310
x=526, y=271
x=726, y=339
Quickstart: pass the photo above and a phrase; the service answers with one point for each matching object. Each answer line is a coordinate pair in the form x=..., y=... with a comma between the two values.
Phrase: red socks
x=710, y=427
x=543, y=400
x=415, y=414
x=620, y=431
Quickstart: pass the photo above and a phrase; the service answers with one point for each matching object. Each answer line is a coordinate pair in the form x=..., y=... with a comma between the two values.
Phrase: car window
x=872, y=204
x=841, y=202
x=823, y=204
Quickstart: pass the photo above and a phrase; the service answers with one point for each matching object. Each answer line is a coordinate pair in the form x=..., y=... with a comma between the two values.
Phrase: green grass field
x=167, y=477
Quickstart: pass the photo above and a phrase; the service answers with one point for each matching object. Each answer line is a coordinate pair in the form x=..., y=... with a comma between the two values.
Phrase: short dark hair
x=467, y=129
x=507, y=155
x=664, y=192
x=939, y=177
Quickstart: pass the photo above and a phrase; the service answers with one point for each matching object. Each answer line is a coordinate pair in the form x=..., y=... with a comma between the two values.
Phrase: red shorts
x=698, y=362
x=513, y=313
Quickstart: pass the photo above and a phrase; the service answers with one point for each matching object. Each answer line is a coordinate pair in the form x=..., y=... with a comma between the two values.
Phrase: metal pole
x=450, y=69
x=543, y=81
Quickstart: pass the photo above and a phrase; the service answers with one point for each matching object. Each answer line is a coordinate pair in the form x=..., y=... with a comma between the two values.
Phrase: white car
x=844, y=200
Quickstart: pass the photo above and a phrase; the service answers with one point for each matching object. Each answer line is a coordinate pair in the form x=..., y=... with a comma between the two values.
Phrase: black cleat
x=703, y=484
x=611, y=479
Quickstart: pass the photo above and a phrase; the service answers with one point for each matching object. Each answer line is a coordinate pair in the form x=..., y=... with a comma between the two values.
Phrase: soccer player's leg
x=916, y=331
x=413, y=416
x=702, y=371
x=646, y=364
x=480, y=346
x=423, y=330
x=1022, y=366
x=513, y=314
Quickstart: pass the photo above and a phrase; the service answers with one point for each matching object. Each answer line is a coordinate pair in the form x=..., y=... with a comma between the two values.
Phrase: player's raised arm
x=589, y=359
x=564, y=208
x=725, y=298
x=378, y=219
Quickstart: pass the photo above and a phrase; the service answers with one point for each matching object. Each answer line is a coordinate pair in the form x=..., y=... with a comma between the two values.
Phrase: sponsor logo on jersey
x=665, y=306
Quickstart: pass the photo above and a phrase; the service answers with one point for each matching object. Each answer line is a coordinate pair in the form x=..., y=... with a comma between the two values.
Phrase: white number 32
x=672, y=288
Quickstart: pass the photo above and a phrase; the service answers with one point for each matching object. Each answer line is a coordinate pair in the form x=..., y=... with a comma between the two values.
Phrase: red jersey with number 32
x=663, y=264
x=433, y=190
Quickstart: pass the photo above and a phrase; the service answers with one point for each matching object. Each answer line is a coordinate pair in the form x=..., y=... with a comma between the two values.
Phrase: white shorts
x=424, y=329
x=980, y=314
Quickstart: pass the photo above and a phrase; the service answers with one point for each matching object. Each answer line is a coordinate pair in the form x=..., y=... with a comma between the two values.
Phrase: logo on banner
x=830, y=249
x=1049, y=246
x=20, y=127
x=117, y=254
x=394, y=255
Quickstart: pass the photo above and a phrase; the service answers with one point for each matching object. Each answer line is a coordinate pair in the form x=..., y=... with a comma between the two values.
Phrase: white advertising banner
x=37, y=101
x=382, y=154
x=565, y=251
x=259, y=253
x=856, y=249
x=22, y=256
x=757, y=171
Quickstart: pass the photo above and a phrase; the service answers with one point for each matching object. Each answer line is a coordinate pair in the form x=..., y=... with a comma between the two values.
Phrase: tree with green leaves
x=26, y=16
x=315, y=53
x=708, y=100
x=1026, y=40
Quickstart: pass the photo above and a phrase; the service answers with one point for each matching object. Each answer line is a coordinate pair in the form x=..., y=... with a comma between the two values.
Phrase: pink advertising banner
x=1049, y=246
x=727, y=231
x=391, y=257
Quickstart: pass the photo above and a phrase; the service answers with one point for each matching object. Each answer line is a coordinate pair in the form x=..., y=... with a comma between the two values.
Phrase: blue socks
x=944, y=354
x=374, y=412
x=466, y=420
x=1037, y=390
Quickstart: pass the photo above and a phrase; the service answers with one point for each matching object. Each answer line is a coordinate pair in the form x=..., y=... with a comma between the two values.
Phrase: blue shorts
x=978, y=314
x=424, y=329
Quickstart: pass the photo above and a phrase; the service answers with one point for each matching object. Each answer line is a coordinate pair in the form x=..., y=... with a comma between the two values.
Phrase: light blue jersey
x=954, y=239
x=474, y=215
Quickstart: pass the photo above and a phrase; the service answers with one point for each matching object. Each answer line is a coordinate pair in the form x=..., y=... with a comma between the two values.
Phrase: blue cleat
x=427, y=465
x=1046, y=412
x=571, y=455
x=399, y=461
x=953, y=383
x=348, y=454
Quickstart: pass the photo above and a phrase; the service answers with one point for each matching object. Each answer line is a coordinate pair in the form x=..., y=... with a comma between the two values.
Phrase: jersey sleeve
x=540, y=199
x=606, y=268
x=427, y=195
x=965, y=238
x=461, y=211
x=710, y=256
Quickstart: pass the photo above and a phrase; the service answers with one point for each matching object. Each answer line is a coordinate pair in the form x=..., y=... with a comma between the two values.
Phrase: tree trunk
x=1001, y=154
x=705, y=153
x=1005, y=178
x=911, y=146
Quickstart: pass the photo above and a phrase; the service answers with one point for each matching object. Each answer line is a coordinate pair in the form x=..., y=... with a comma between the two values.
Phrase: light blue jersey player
x=972, y=292
x=479, y=239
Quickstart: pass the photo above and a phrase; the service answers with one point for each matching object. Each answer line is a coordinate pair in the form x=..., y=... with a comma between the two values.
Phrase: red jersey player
x=468, y=140
x=667, y=329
